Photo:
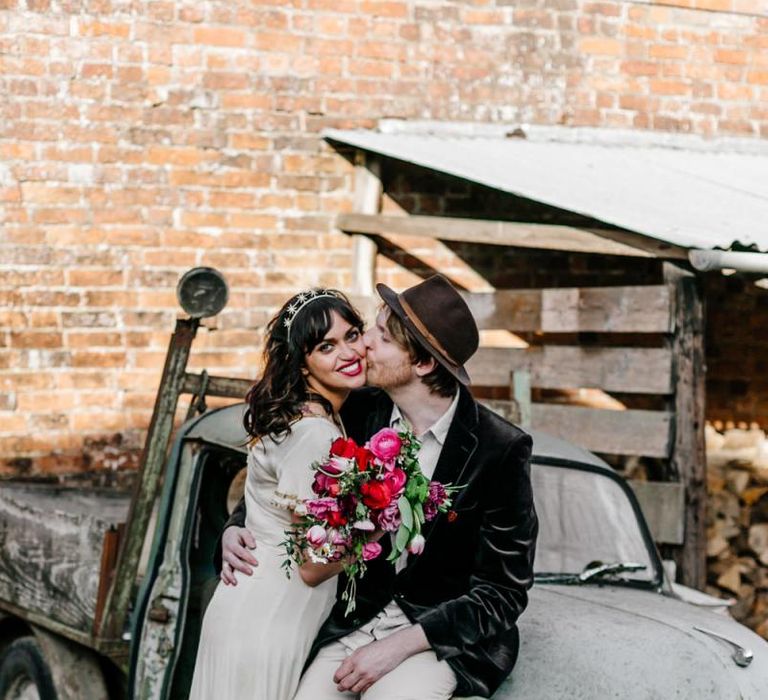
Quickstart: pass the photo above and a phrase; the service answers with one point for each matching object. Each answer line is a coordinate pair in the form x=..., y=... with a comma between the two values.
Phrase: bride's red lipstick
x=352, y=364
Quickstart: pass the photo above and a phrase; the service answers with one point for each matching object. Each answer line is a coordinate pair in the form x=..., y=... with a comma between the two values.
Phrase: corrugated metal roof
x=692, y=193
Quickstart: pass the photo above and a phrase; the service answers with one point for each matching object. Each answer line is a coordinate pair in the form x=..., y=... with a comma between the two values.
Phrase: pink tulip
x=371, y=550
x=316, y=536
x=416, y=545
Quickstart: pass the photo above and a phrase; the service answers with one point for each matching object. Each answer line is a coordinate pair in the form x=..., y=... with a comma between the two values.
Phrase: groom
x=443, y=622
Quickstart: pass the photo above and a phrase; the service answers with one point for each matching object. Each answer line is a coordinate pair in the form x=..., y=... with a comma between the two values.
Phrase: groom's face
x=389, y=364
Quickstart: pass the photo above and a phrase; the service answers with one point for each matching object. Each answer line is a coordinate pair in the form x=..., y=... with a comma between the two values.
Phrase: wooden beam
x=630, y=370
x=217, y=386
x=688, y=458
x=367, y=201
x=630, y=309
x=635, y=432
x=508, y=233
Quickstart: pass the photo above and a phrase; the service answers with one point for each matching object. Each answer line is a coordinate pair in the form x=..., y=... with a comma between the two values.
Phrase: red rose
x=335, y=519
x=344, y=448
x=376, y=494
x=362, y=457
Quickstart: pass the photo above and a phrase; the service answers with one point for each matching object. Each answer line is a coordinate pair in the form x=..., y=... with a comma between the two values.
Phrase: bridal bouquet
x=360, y=490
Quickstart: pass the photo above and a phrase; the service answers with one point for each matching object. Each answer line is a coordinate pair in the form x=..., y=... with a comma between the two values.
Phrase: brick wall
x=138, y=139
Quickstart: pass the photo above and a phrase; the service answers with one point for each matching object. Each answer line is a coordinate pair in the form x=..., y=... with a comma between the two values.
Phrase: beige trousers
x=419, y=677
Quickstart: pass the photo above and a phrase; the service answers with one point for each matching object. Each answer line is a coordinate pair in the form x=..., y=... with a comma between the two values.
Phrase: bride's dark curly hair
x=275, y=400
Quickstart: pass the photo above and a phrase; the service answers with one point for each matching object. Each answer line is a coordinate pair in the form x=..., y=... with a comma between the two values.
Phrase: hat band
x=414, y=319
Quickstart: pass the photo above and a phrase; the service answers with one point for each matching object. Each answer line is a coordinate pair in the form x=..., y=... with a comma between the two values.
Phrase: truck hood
x=595, y=642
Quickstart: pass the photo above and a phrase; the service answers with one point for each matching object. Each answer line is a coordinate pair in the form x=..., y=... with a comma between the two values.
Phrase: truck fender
x=74, y=668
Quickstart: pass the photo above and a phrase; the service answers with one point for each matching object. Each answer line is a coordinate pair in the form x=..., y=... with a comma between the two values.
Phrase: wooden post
x=521, y=395
x=118, y=599
x=368, y=191
x=688, y=456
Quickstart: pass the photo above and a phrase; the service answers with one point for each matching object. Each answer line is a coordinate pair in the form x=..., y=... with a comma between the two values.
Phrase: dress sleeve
x=309, y=441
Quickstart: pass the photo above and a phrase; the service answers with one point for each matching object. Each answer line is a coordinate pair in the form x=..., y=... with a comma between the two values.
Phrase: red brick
x=667, y=51
x=601, y=46
x=757, y=77
x=639, y=68
x=36, y=339
x=734, y=56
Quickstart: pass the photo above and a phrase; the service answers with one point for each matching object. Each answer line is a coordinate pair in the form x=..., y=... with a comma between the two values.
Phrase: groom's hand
x=235, y=555
x=364, y=666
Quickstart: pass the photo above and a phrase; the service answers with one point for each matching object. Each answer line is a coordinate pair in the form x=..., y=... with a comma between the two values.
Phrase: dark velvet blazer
x=470, y=584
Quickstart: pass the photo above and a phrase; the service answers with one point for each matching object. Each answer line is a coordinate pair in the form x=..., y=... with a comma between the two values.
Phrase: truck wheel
x=24, y=674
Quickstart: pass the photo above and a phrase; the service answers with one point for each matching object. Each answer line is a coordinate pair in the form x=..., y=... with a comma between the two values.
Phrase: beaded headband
x=301, y=301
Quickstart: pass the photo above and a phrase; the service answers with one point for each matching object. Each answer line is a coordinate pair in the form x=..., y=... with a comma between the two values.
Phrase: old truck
x=102, y=593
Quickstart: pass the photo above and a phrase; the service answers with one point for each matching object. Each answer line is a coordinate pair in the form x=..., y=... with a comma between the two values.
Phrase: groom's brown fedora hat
x=439, y=319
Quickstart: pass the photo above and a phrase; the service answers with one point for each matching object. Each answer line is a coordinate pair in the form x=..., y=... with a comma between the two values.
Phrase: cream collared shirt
x=432, y=439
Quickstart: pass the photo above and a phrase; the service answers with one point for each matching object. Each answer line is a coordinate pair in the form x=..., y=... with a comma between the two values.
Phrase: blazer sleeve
x=503, y=566
x=237, y=518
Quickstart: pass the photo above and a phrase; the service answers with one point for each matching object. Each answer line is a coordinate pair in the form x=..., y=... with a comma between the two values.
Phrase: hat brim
x=392, y=300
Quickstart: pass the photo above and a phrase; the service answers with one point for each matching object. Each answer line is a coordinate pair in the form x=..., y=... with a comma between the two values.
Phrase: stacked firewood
x=737, y=521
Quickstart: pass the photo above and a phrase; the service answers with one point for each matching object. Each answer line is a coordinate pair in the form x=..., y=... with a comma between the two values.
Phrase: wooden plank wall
x=51, y=544
x=623, y=369
x=668, y=370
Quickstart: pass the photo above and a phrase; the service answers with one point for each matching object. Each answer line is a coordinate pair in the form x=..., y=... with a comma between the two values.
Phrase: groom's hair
x=439, y=381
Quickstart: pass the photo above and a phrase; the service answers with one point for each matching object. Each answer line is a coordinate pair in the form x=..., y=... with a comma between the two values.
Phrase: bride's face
x=337, y=364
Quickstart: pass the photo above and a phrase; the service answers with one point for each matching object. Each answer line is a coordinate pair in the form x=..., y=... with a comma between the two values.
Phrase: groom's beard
x=388, y=376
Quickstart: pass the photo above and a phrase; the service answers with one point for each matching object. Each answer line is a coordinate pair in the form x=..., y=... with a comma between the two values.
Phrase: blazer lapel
x=379, y=417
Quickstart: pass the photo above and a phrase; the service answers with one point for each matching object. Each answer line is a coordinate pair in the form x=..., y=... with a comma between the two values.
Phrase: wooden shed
x=581, y=248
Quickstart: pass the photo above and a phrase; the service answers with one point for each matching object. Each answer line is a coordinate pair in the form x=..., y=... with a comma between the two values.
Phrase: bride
x=256, y=635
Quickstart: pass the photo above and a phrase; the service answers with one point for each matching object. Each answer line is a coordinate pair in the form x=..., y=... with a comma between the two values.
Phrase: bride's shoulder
x=311, y=424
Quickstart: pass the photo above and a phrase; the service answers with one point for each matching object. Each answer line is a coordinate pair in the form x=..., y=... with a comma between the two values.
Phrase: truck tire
x=24, y=674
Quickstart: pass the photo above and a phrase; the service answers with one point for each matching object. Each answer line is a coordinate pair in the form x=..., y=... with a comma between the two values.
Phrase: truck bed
x=51, y=542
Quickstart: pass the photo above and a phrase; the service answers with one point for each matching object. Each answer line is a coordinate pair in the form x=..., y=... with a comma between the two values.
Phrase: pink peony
x=386, y=444
x=316, y=536
x=416, y=545
x=389, y=518
x=395, y=479
x=322, y=507
x=371, y=550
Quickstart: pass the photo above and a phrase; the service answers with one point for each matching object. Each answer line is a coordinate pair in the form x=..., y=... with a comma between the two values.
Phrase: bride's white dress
x=256, y=636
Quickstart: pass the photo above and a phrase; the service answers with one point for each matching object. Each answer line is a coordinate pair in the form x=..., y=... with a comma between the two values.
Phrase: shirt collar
x=439, y=428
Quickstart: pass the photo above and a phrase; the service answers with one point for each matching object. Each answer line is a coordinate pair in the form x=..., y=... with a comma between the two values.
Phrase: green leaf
x=402, y=537
x=418, y=514
x=406, y=513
